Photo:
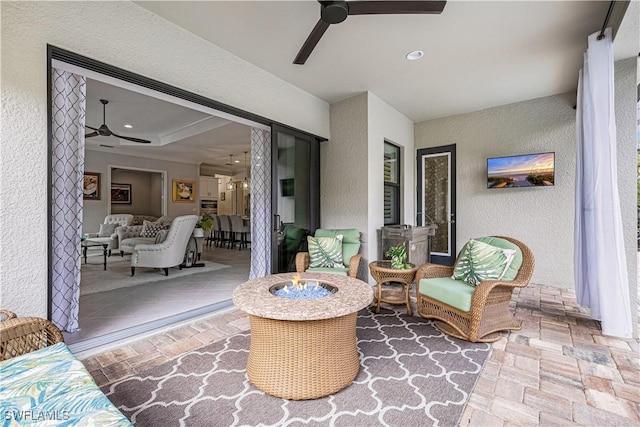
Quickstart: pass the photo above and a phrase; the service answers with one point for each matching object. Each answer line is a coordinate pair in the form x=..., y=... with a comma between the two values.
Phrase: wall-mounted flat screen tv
x=528, y=170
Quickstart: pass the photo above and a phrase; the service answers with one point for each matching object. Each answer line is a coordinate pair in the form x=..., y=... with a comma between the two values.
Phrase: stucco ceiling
x=478, y=54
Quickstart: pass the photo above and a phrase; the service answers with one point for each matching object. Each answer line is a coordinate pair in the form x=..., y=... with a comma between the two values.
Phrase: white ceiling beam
x=192, y=129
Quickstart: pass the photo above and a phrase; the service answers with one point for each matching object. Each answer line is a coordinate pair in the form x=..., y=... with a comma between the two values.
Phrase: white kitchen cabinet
x=208, y=187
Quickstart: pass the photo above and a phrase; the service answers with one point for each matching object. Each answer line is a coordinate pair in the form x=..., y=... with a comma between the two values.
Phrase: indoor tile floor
x=558, y=370
x=105, y=312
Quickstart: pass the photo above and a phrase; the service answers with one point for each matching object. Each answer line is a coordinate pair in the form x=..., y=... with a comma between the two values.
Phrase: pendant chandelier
x=245, y=181
x=230, y=185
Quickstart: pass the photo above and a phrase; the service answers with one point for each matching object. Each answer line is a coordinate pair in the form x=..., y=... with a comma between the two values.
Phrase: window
x=391, y=184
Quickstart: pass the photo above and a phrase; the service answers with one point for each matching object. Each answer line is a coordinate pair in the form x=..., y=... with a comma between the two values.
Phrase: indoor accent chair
x=108, y=230
x=474, y=313
x=350, y=256
x=170, y=252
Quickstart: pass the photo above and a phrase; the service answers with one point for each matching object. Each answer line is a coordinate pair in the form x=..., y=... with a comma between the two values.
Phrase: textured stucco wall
x=343, y=168
x=127, y=36
x=626, y=129
x=542, y=218
x=352, y=168
x=385, y=122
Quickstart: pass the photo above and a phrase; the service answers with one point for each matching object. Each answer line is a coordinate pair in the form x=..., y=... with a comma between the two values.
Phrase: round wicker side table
x=383, y=273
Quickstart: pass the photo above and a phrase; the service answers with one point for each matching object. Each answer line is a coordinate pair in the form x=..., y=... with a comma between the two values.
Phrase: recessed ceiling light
x=416, y=54
x=128, y=126
x=236, y=161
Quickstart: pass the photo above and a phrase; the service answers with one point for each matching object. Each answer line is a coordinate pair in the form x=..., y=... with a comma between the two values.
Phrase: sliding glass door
x=295, y=194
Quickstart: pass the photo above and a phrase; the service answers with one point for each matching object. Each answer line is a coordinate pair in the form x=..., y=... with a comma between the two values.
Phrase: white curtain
x=600, y=262
x=260, y=203
x=69, y=98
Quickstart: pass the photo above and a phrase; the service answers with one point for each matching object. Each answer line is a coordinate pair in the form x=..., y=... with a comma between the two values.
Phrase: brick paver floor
x=557, y=370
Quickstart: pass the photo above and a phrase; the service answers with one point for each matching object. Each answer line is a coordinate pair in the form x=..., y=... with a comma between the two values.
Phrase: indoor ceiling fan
x=104, y=130
x=334, y=12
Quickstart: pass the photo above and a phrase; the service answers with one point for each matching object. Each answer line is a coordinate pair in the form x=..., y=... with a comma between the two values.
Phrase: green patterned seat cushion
x=342, y=271
x=480, y=261
x=325, y=251
x=455, y=293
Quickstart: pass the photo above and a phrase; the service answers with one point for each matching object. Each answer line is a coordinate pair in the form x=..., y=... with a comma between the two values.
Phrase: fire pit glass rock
x=297, y=289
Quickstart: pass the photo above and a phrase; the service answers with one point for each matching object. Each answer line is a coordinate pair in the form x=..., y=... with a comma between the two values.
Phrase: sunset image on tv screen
x=530, y=170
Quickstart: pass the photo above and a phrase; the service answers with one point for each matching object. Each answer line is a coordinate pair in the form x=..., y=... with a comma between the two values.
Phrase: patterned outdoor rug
x=411, y=375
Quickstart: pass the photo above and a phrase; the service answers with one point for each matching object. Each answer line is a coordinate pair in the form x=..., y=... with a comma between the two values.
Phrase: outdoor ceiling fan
x=334, y=12
x=104, y=130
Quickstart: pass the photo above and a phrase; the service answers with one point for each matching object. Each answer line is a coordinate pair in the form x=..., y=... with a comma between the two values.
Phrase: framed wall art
x=91, y=186
x=184, y=191
x=121, y=193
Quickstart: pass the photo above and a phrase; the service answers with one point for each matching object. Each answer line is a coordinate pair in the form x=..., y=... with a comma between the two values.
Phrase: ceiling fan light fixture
x=104, y=130
x=334, y=12
x=415, y=55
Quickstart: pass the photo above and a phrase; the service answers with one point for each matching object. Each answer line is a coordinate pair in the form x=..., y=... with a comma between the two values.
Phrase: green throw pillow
x=479, y=261
x=325, y=251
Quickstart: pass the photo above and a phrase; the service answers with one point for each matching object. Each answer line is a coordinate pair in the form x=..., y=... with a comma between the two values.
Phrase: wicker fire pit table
x=303, y=348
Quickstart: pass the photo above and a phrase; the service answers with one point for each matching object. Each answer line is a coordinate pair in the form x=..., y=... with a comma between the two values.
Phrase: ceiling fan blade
x=128, y=138
x=395, y=7
x=311, y=42
x=90, y=127
x=89, y=135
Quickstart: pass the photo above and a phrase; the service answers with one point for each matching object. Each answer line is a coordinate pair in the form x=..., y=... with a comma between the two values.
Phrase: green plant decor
x=398, y=255
x=206, y=223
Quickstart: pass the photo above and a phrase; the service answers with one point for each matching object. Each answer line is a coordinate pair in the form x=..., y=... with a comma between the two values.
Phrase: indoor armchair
x=108, y=232
x=474, y=313
x=168, y=253
x=132, y=235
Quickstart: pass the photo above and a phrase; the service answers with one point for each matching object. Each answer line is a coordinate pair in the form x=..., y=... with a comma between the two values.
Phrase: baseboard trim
x=145, y=328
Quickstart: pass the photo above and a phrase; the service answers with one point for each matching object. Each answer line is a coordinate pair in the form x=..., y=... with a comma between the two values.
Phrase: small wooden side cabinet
x=384, y=274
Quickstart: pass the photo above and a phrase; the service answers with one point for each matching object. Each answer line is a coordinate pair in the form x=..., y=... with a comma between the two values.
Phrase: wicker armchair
x=489, y=313
x=350, y=255
x=22, y=335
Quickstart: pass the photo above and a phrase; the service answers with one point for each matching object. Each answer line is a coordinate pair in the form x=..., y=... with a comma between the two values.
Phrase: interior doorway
x=137, y=191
